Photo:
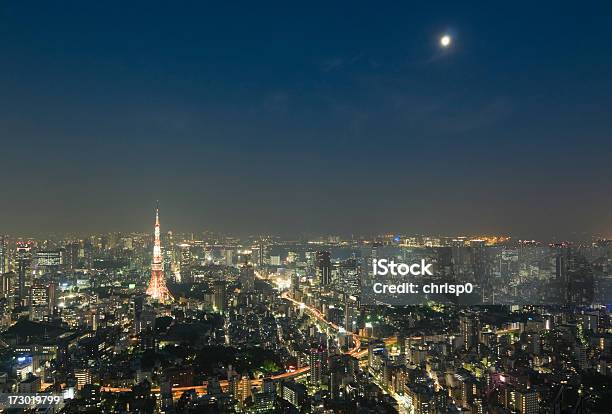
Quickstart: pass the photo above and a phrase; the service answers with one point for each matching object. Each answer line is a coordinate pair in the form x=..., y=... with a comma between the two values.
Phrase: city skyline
x=305, y=208
x=268, y=327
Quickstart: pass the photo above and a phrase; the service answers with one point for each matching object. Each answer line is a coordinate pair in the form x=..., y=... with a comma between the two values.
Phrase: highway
x=320, y=317
x=355, y=351
x=202, y=389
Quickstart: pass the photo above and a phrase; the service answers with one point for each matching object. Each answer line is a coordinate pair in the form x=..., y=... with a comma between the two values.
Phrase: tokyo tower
x=157, y=285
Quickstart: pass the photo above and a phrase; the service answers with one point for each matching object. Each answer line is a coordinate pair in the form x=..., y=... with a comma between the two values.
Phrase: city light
x=362, y=209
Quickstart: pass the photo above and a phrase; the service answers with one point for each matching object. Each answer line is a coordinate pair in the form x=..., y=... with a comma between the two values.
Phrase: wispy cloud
x=332, y=64
x=340, y=62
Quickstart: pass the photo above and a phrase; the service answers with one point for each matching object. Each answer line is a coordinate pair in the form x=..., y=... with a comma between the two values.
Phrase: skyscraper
x=157, y=285
x=469, y=328
x=242, y=389
x=24, y=260
x=3, y=256
x=324, y=268
x=247, y=278
x=6, y=284
x=71, y=255
x=39, y=301
x=527, y=401
x=219, y=299
x=318, y=364
x=186, y=260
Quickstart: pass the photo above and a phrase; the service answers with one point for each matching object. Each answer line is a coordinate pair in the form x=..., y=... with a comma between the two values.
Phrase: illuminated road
x=201, y=389
x=320, y=317
x=356, y=352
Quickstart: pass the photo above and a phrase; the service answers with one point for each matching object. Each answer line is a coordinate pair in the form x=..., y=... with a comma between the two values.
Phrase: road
x=355, y=351
x=202, y=389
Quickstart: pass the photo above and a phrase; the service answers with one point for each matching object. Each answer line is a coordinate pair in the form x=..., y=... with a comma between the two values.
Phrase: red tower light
x=157, y=285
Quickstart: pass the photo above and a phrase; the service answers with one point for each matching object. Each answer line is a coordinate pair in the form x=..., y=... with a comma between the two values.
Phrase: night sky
x=310, y=117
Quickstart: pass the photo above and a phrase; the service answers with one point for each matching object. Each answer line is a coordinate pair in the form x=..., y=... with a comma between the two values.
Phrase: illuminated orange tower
x=157, y=285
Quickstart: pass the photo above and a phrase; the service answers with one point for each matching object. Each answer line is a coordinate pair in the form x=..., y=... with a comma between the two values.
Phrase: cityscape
x=162, y=322
x=305, y=207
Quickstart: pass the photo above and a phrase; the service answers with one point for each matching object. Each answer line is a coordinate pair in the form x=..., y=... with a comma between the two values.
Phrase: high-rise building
x=294, y=393
x=186, y=262
x=71, y=255
x=318, y=364
x=52, y=295
x=3, y=256
x=83, y=376
x=247, y=278
x=468, y=326
x=323, y=268
x=86, y=254
x=24, y=261
x=268, y=386
x=6, y=285
x=157, y=285
x=39, y=301
x=219, y=296
x=166, y=397
x=295, y=283
x=48, y=260
x=241, y=388
x=91, y=397
x=421, y=399
x=479, y=267
x=527, y=402
x=144, y=316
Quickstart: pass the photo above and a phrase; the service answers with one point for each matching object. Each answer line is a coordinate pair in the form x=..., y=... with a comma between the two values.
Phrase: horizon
x=575, y=237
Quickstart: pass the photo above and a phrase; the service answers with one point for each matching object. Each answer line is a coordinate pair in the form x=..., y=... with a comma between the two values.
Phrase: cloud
x=332, y=64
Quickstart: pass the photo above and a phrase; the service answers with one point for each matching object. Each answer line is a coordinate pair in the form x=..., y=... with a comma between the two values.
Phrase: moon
x=445, y=41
